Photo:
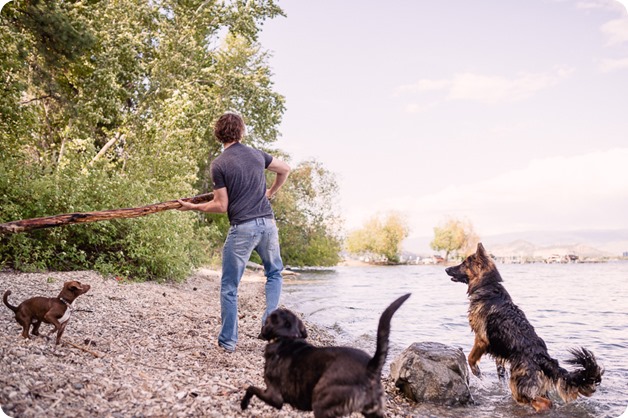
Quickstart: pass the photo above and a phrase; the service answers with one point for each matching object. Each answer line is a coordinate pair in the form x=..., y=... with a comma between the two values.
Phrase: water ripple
x=349, y=300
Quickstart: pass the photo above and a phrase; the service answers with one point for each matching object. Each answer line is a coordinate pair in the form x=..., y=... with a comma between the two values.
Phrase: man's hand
x=269, y=195
x=185, y=206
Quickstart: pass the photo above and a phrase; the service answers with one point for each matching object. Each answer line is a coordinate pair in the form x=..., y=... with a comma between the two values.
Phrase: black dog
x=503, y=331
x=331, y=381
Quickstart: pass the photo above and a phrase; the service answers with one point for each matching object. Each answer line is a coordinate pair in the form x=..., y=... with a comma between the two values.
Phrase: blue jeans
x=260, y=235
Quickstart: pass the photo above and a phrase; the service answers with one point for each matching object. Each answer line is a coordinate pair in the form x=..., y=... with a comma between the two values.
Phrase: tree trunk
x=104, y=215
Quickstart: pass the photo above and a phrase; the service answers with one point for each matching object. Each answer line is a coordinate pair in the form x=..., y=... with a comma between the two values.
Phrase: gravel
x=141, y=350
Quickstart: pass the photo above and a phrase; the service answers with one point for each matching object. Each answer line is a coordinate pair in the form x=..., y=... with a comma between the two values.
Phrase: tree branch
x=37, y=98
x=104, y=215
x=106, y=147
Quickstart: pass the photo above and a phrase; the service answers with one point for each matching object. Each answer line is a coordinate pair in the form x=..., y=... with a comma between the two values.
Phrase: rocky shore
x=141, y=350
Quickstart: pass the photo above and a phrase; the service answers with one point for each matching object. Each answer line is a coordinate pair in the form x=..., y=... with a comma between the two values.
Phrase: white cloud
x=609, y=65
x=625, y=4
x=559, y=193
x=494, y=89
x=616, y=30
x=617, y=5
x=424, y=85
x=489, y=89
x=593, y=4
x=417, y=108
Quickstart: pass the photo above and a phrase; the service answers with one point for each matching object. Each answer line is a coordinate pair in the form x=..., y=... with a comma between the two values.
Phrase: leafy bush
x=163, y=245
x=100, y=115
x=110, y=106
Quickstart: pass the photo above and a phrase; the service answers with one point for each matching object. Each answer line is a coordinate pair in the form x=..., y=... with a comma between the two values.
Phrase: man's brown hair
x=229, y=128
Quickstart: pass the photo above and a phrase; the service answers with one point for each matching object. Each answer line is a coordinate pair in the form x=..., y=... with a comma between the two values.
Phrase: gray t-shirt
x=241, y=169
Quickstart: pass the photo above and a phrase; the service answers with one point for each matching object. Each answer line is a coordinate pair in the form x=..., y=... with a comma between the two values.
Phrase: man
x=239, y=184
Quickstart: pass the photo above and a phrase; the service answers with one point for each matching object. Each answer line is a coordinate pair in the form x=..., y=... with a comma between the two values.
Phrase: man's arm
x=218, y=204
x=282, y=170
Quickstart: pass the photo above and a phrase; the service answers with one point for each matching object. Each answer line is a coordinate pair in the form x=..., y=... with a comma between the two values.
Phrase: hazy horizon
x=614, y=242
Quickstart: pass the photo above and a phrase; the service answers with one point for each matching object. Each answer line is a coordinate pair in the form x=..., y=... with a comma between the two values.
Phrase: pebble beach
x=141, y=350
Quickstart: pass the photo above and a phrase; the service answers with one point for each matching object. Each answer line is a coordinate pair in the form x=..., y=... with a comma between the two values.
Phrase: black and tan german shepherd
x=503, y=331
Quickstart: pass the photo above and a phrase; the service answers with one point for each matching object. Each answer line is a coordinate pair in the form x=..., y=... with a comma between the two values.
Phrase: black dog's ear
x=302, y=329
x=282, y=323
x=288, y=325
x=294, y=327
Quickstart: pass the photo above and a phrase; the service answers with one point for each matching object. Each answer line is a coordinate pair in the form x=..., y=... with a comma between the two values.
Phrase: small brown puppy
x=331, y=381
x=54, y=311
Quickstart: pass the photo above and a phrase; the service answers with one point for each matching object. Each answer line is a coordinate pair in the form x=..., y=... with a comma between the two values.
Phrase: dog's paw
x=244, y=403
x=475, y=369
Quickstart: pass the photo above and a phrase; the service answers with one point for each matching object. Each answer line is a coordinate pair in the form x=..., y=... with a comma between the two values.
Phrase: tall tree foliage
x=381, y=237
x=306, y=210
x=110, y=104
x=454, y=236
x=307, y=215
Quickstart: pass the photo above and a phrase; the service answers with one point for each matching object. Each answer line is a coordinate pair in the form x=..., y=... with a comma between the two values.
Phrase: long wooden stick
x=104, y=215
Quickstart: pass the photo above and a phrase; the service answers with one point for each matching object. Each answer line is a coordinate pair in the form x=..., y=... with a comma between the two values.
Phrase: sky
x=509, y=114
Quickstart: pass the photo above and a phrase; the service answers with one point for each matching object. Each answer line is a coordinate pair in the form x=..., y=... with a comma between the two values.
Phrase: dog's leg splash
x=541, y=404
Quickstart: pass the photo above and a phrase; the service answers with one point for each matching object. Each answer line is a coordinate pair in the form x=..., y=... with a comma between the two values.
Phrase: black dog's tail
x=376, y=364
x=5, y=299
x=583, y=380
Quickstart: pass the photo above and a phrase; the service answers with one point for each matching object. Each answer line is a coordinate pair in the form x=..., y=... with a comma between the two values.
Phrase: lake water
x=570, y=305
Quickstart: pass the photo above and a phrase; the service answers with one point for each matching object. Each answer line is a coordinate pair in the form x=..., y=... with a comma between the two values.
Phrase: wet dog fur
x=331, y=381
x=503, y=331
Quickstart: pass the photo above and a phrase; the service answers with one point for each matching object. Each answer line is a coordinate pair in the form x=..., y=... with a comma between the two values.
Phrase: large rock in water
x=432, y=372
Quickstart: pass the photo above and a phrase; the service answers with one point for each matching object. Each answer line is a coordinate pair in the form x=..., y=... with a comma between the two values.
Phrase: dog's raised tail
x=383, y=332
x=583, y=380
x=5, y=299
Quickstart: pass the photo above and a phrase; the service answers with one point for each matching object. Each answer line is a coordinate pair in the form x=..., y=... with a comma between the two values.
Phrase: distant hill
x=585, y=243
x=526, y=249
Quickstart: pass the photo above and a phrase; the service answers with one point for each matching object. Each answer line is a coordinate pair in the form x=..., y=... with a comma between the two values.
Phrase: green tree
x=454, y=236
x=111, y=105
x=380, y=237
x=308, y=217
